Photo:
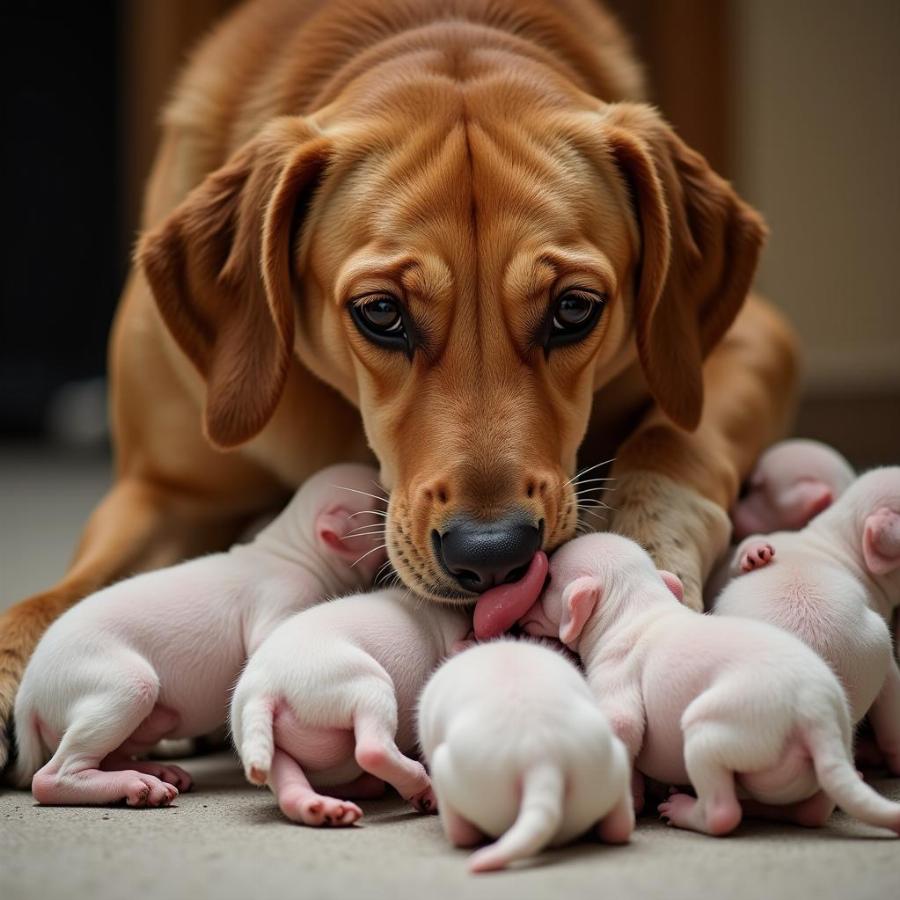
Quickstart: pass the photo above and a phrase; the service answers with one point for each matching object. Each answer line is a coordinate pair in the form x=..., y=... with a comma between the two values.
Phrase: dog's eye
x=574, y=315
x=381, y=319
x=381, y=315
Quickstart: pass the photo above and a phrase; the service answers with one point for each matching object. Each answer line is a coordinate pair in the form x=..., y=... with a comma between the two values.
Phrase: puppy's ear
x=220, y=270
x=579, y=600
x=673, y=583
x=881, y=542
x=338, y=532
x=700, y=246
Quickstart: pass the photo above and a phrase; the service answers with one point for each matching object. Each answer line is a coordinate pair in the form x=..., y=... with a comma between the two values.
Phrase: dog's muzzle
x=480, y=554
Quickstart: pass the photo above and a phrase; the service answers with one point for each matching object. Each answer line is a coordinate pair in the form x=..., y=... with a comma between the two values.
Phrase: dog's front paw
x=683, y=531
x=12, y=664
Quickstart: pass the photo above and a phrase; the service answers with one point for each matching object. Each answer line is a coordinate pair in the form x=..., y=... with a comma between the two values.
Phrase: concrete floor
x=227, y=839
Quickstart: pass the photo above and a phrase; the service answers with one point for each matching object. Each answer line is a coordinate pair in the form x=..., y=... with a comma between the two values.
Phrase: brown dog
x=448, y=231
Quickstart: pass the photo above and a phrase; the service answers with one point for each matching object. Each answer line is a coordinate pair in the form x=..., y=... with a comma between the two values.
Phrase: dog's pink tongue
x=499, y=608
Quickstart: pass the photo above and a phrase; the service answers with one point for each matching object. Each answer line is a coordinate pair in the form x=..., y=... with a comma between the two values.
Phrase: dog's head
x=470, y=279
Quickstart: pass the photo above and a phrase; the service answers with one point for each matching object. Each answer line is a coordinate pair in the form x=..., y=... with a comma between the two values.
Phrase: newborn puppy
x=330, y=695
x=517, y=747
x=155, y=656
x=836, y=585
x=792, y=482
x=704, y=699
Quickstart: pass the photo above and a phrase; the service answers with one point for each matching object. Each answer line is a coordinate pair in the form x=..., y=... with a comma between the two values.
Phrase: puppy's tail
x=828, y=742
x=257, y=738
x=540, y=815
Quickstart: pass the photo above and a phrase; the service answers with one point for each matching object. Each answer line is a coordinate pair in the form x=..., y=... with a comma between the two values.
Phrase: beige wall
x=818, y=151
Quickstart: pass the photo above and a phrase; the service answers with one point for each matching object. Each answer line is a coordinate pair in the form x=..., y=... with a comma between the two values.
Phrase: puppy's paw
x=425, y=801
x=756, y=556
x=147, y=790
x=317, y=810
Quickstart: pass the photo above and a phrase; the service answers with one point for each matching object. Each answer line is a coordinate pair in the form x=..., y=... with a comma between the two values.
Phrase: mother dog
x=448, y=231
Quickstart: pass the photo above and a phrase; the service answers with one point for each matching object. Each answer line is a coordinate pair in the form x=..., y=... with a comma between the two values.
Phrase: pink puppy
x=704, y=699
x=836, y=585
x=792, y=482
x=518, y=748
x=330, y=697
x=155, y=656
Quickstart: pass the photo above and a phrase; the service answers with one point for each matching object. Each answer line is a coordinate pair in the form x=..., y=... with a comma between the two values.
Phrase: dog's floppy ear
x=700, y=246
x=220, y=270
x=579, y=600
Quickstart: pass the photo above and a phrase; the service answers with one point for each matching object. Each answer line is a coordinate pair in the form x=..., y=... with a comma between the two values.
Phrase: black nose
x=482, y=554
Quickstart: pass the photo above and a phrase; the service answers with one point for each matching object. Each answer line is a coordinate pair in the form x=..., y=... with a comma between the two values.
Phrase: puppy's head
x=595, y=571
x=470, y=278
x=339, y=512
x=868, y=514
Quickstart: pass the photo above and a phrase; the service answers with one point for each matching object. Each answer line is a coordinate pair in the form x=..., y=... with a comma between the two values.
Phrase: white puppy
x=517, y=747
x=836, y=584
x=709, y=700
x=792, y=483
x=155, y=656
x=331, y=694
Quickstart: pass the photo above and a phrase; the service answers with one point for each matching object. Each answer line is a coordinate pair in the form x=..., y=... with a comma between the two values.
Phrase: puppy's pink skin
x=330, y=695
x=704, y=699
x=519, y=751
x=792, y=483
x=155, y=656
x=836, y=585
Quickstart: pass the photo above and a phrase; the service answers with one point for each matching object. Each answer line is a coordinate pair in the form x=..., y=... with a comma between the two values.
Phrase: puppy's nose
x=481, y=554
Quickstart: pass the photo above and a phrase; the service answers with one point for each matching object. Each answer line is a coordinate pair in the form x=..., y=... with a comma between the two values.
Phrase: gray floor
x=226, y=840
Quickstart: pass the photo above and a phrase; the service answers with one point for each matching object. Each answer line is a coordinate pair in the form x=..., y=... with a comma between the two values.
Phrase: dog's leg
x=375, y=728
x=300, y=802
x=674, y=487
x=139, y=525
x=715, y=810
x=167, y=772
x=107, y=704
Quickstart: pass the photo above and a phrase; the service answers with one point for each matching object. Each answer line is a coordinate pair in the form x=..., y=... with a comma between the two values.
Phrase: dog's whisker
x=382, y=573
x=363, y=493
x=588, y=511
x=584, y=471
x=366, y=529
x=378, y=487
x=368, y=512
x=368, y=552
